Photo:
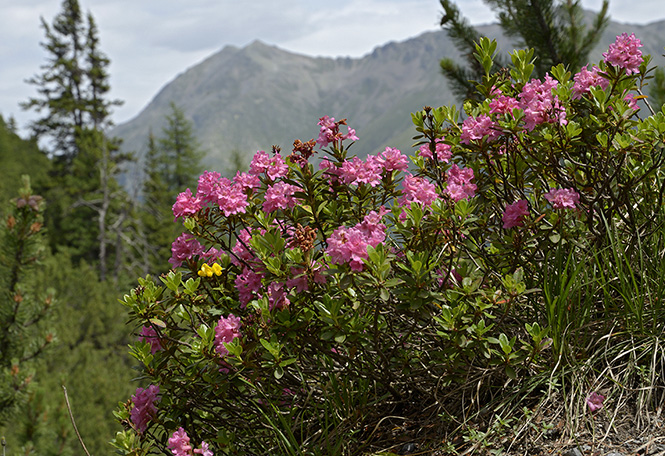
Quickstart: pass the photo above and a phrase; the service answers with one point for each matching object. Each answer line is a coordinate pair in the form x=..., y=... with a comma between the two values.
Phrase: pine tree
x=24, y=306
x=556, y=30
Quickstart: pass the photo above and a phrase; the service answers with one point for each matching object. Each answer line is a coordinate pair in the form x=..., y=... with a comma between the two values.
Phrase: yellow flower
x=208, y=271
x=216, y=269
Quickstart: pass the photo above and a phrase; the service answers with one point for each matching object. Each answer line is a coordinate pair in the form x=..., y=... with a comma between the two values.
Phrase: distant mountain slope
x=251, y=98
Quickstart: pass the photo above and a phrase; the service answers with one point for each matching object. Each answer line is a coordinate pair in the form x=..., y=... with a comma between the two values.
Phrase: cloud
x=150, y=42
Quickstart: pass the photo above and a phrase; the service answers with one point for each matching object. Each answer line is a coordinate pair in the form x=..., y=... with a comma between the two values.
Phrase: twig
x=71, y=416
x=4, y=444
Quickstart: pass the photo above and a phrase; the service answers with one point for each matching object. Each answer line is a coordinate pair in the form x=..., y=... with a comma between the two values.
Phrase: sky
x=150, y=42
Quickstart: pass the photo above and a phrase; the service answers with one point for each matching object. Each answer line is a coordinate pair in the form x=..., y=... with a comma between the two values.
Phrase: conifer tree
x=555, y=29
x=172, y=164
x=75, y=113
x=24, y=307
x=157, y=219
x=180, y=151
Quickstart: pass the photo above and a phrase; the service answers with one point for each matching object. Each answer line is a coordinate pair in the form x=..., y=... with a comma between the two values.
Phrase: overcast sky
x=150, y=42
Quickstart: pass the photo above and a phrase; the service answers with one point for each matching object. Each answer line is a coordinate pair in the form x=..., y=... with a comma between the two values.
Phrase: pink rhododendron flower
x=246, y=181
x=144, y=407
x=248, y=284
x=632, y=102
x=586, y=79
x=180, y=446
x=277, y=296
x=186, y=205
x=184, y=248
x=226, y=330
x=563, y=198
x=204, y=450
x=441, y=150
x=149, y=335
x=329, y=131
x=393, y=160
x=595, y=402
x=349, y=245
x=495, y=92
x=231, y=199
x=179, y=443
x=280, y=196
x=540, y=105
x=274, y=167
x=625, y=53
x=356, y=172
x=459, y=184
x=350, y=135
x=503, y=105
x=476, y=128
x=372, y=227
x=417, y=189
x=208, y=186
x=515, y=213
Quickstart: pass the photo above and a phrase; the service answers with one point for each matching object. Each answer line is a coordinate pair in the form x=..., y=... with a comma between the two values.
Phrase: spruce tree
x=555, y=29
x=180, y=150
x=172, y=164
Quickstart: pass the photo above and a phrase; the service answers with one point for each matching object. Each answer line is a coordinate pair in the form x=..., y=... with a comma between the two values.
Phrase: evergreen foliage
x=17, y=157
x=173, y=162
x=554, y=29
x=73, y=92
x=25, y=305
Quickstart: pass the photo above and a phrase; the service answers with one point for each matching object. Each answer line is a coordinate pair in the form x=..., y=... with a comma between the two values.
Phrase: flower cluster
x=503, y=105
x=149, y=335
x=349, y=245
x=586, y=79
x=370, y=171
x=179, y=444
x=279, y=196
x=274, y=167
x=459, y=184
x=418, y=190
x=563, y=198
x=228, y=328
x=144, y=408
x=330, y=133
x=477, y=128
x=442, y=151
x=539, y=104
x=183, y=248
x=515, y=213
x=625, y=53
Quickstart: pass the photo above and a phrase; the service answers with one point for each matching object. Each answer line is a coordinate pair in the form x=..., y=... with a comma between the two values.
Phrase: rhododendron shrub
x=311, y=298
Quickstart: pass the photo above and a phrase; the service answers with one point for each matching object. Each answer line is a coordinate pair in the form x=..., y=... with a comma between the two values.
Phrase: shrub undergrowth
x=363, y=304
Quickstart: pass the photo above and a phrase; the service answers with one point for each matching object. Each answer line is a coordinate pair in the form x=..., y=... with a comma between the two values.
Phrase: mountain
x=245, y=99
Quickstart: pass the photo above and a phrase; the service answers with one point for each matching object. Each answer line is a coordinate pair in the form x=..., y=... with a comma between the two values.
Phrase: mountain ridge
x=249, y=98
